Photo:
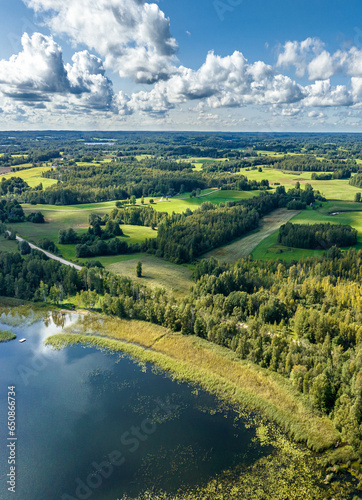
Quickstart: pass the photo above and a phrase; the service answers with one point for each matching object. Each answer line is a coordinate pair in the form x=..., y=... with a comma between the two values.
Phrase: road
x=51, y=256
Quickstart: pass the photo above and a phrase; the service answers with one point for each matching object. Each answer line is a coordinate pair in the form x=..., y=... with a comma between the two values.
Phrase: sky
x=202, y=65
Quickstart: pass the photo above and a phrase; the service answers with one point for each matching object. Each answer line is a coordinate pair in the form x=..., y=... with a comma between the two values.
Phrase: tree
x=24, y=248
x=357, y=197
x=133, y=199
x=56, y=294
x=139, y=269
x=43, y=291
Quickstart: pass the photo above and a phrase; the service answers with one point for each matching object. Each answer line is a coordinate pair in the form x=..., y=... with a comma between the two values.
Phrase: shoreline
x=215, y=368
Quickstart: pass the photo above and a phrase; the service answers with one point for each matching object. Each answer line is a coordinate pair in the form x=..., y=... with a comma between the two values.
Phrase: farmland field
x=132, y=235
x=180, y=204
x=335, y=189
x=8, y=245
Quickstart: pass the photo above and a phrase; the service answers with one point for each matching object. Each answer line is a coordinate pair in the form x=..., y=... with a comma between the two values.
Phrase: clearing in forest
x=242, y=247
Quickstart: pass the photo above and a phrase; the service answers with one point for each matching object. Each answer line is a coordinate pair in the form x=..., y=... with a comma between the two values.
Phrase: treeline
x=317, y=236
x=137, y=216
x=11, y=211
x=117, y=181
x=126, y=177
x=356, y=180
x=94, y=233
x=309, y=163
x=13, y=185
x=183, y=237
x=110, y=247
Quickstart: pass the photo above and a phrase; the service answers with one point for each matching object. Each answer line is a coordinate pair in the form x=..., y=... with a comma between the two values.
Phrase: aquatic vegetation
x=265, y=400
x=216, y=369
x=291, y=472
x=5, y=336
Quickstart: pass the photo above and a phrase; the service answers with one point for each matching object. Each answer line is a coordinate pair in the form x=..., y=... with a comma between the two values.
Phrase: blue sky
x=283, y=65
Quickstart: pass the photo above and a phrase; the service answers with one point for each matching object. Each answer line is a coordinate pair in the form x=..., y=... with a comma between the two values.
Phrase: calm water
x=81, y=408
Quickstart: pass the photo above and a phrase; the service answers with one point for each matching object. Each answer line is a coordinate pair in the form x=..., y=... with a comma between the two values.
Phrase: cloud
x=37, y=68
x=132, y=36
x=38, y=73
x=316, y=114
x=220, y=82
x=310, y=57
x=321, y=67
x=298, y=54
x=323, y=94
x=87, y=79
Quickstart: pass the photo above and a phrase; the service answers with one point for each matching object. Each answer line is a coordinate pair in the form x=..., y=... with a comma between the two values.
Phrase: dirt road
x=52, y=256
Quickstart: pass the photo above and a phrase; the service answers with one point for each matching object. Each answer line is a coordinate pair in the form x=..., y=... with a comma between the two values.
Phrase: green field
x=32, y=176
x=70, y=208
x=78, y=220
x=132, y=235
x=269, y=248
x=181, y=203
x=55, y=220
x=242, y=247
x=8, y=245
x=176, y=204
x=335, y=189
x=156, y=273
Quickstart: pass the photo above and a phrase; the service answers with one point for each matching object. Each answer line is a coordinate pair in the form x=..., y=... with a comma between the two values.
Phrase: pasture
x=8, y=245
x=335, y=189
x=32, y=176
x=132, y=235
x=181, y=203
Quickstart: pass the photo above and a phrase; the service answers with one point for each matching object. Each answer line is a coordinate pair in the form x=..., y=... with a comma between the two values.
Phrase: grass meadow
x=32, y=176
x=156, y=273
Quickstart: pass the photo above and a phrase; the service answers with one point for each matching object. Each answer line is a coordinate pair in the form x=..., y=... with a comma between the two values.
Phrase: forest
x=316, y=301
x=298, y=317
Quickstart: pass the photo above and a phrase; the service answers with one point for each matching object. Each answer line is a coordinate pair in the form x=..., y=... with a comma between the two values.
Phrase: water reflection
x=81, y=408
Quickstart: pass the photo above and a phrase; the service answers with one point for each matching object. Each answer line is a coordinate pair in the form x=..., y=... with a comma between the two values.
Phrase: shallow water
x=80, y=409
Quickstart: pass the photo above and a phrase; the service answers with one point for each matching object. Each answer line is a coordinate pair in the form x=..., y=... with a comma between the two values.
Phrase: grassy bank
x=216, y=369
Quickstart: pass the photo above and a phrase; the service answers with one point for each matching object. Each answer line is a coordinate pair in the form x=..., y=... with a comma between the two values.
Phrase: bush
x=36, y=218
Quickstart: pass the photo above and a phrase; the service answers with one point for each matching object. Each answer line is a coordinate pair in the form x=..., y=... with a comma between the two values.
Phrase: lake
x=95, y=424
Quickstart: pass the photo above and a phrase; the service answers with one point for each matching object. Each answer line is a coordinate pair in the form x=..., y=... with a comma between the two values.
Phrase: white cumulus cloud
x=132, y=36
